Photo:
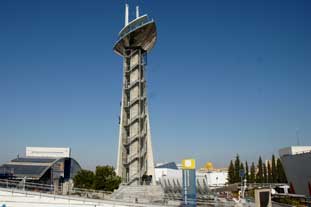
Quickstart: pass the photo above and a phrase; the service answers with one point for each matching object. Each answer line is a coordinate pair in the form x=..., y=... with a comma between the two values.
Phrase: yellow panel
x=188, y=164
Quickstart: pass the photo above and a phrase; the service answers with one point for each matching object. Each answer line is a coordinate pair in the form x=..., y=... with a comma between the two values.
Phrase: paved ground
x=9, y=198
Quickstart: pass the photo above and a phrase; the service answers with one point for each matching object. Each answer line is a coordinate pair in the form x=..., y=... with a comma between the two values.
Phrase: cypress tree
x=265, y=176
x=246, y=171
x=274, y=171
x=280, y=172
x=242, y=169
x=231, y=173
x=259, y=177
x=252, y=176
x=269, y=173
x=237, y=169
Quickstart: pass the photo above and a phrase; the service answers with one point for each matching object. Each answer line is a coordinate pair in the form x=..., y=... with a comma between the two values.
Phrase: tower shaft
x=135, y=157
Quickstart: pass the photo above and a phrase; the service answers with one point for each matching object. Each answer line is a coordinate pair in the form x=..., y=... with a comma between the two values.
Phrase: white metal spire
x=126, y=14
x=137, y=11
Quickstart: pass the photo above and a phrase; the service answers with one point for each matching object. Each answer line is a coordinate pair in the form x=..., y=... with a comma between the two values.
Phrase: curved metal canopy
x=141, y=32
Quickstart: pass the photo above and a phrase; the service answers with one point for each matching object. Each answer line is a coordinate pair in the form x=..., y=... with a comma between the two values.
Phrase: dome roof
x=209, y=166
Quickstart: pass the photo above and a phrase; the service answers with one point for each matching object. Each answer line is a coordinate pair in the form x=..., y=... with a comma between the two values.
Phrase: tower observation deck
x=135, y=157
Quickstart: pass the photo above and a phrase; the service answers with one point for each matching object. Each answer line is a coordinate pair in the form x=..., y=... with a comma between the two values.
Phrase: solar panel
x=25, y=170
x=170, y=165
x=34, y=160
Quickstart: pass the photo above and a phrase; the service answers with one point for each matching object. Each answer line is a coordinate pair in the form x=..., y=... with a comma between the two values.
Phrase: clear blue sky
x=225, y=77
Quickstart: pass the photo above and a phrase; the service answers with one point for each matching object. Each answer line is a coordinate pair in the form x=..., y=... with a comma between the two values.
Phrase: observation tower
x=135, y=157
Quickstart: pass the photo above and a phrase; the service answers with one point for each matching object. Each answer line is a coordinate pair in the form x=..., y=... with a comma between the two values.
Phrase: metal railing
x=61, y=200
x=51, y=189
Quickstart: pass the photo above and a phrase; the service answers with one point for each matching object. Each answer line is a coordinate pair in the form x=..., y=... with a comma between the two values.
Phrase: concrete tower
x=135, y=156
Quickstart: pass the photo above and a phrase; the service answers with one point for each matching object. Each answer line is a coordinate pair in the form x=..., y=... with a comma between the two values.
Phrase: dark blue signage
x=189, y=188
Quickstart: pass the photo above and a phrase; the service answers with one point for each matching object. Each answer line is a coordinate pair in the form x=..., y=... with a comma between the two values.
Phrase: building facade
x=46, y=168
x=296, y=162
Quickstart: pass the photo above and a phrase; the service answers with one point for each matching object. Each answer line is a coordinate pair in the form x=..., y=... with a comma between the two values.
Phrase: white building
x=294, y=150
x=171, y=173
x=47, y=152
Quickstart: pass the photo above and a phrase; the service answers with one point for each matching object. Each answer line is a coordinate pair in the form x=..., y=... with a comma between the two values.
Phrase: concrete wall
x=134, y=76
x=134, y=93
x=134, y=129
x=16, y=198
x=298, y=171
x=134, y=60
x=134, y=110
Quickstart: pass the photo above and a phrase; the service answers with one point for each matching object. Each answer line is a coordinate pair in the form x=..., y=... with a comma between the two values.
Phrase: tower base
x=139, y=194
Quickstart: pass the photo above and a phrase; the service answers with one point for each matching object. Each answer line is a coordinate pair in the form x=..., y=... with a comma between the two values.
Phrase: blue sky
x=225, y=77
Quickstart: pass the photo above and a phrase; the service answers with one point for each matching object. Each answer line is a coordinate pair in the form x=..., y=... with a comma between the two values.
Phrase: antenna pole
x=126, y=14
x=297, y=136
x=137, y=11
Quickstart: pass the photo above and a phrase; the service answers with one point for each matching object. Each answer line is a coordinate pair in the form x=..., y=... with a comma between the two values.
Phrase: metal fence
x=51, y=189
x=204, y=198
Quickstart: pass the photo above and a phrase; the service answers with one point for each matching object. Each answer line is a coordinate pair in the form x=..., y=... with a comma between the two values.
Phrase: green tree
x=252, y=176
x=84, y=179
x=265, y=174
x=106, y=178
x=269, y=173
x=259, y=177
x=274, y=171
x=246, y=171
x=242, y=169
x=237, y=169
x=231, y=173
x=280, y=171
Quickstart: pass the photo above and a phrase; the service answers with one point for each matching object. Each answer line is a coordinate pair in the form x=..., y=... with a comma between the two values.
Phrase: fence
x=51, y=189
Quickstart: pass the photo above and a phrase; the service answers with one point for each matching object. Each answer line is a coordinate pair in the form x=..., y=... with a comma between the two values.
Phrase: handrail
x=14, y=184
x=129, y=103
x=133, y=83
x=133, y=137
x=131, y=157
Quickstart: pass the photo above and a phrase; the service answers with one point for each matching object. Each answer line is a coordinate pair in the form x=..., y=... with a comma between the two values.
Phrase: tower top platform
x=140, y=32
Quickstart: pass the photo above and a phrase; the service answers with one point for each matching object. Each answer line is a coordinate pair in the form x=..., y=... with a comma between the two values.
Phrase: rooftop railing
x=133, y=25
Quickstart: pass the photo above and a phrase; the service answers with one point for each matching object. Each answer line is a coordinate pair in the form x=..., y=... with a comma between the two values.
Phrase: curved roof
x=141, y=32
x=169, y=165
x=31, y=167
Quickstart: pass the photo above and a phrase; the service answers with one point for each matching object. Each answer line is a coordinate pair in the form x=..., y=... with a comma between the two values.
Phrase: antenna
x=137, y=11
x=126, y=14
x=297, y=136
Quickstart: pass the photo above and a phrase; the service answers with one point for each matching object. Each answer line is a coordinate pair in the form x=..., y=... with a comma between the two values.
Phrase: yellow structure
x=188, y=164
x=209, y=166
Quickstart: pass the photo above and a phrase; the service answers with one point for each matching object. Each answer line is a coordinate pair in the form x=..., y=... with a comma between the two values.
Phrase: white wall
x=47, y=152
x=293, y=150
x=213, y=178
x=167, y=173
